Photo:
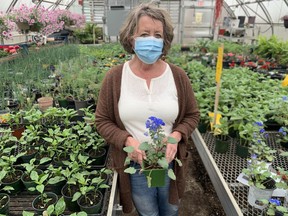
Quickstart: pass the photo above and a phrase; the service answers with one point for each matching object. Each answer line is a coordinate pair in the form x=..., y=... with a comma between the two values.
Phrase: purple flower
x=254, y=156
x=259, y=123
x=154, y=123
x=285, y=98
x=282, y=131
x=275, y=202
x=262, y=130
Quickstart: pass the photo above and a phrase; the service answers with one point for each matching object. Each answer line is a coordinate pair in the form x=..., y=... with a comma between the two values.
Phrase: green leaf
x=25, y=213
x=130, y=170
x=104, y=186
x=34, y=175
x=144, y=146
x=60, y=206
x=163, y=163
x=171, y=174
x=47, y=139
x=178, y=161
x=50, y=209
x=172, y=140
x=128, y=149
x=40, y=188
x=127, y=161
x=76, y=196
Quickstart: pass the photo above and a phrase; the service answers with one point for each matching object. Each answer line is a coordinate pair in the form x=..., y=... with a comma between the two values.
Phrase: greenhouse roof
x=7, y=5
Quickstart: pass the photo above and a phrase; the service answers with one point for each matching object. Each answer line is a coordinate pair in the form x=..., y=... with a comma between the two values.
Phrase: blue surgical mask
x=148, y=49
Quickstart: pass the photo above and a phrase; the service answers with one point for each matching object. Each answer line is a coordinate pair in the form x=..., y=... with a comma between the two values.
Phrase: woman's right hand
x=137, y=155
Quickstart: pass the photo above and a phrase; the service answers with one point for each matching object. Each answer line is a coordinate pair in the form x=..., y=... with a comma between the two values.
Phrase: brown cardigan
x=111, y=128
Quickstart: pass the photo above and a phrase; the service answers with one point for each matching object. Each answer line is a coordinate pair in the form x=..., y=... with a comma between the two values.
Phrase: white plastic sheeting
x=265, y=11
x=268, y=14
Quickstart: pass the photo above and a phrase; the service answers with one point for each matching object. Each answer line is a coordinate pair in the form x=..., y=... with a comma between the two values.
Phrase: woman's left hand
x=171, y=149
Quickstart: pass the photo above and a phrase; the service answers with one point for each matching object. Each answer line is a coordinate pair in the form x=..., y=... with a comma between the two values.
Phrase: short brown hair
x=130, y=25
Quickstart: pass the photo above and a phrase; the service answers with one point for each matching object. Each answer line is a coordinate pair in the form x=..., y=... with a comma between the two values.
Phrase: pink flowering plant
x=30, y=15
x=6, y=26
x=69, y=18
x=154, y=149
x=46, y=21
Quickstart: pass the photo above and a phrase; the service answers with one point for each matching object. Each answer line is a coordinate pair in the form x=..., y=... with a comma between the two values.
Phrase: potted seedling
x=90, y=198
x=10, y=175
x=45, y=199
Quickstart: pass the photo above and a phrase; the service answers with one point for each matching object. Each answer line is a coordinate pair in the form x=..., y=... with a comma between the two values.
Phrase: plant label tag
x=285, y=81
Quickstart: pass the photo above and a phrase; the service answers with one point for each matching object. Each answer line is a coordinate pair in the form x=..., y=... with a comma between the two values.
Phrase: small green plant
x=9, y=172
x=258, y=173
x=88, y=186
x=57, y=209
x=283, y=135
x=259, y=144
x=275, y=207
x=89, y=34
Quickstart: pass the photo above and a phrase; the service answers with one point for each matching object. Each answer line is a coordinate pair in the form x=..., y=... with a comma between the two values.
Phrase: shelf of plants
x=224, y=168
x=23, y=201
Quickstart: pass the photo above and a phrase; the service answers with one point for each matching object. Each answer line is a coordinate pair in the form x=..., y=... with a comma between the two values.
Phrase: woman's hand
x=137, y=155
x=171, y=149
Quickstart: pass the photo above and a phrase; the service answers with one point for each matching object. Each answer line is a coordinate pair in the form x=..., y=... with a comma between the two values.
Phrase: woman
x=142, y=87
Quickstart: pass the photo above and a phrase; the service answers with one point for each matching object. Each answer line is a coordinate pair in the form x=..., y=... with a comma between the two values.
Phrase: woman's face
x=149, y=27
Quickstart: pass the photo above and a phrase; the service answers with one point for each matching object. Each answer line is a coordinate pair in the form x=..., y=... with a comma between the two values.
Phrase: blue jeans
x=151, y=201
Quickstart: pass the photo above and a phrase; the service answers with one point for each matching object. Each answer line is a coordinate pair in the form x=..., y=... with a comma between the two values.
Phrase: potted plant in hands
x=155, y=160
x=260, y=180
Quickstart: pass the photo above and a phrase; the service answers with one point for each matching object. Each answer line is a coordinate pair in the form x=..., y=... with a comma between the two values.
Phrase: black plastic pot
x=4, y=202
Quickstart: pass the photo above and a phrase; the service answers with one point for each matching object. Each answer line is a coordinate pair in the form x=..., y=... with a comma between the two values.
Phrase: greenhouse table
x=224, y=168
x=23, y=201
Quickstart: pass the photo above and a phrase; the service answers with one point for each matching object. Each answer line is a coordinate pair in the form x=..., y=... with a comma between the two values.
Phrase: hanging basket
x=286, y=23
x=35, y=27
x=23, y=25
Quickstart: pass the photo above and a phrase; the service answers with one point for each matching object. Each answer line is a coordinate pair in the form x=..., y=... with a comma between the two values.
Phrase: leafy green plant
x=88, y=185
x=279, y=108
x=275, y=207
x=8, y=170
x=283, y=135
x=89, y=34
x=154, y=150
x=258, y=174
x=259, y=144
x=57, y=209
